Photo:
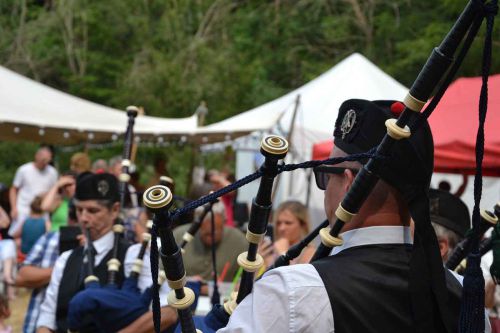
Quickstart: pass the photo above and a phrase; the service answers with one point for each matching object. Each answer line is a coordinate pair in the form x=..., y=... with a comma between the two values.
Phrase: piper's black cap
x=449, y=211
x=360, y=126
x=102, y=186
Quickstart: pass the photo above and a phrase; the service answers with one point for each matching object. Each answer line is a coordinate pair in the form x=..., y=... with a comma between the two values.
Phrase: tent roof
x=32, y=111
x=353, y=77
x=454, y=126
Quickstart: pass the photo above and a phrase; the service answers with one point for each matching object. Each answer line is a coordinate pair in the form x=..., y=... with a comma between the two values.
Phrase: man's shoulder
x=234, y=233
x=296, y=276
x=26, y=167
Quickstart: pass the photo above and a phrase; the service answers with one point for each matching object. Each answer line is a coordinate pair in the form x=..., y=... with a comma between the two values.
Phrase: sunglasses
x=321, y=174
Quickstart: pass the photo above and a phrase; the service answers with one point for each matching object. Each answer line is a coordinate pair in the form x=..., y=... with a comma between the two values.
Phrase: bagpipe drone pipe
x=462, y=249
x=111, y=307
x=437, y=73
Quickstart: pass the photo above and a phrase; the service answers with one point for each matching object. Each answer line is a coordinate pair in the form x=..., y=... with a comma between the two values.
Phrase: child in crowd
x=4, y=314
x=34, y=226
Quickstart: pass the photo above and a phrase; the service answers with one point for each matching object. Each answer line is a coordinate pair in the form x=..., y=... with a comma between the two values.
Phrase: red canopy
x=454, y=127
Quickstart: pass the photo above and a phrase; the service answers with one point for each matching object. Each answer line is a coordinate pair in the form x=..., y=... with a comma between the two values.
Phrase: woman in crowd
x=57, y=200
x=291, y=224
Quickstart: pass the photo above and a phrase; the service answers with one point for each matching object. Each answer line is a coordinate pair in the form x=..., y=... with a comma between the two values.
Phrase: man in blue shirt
x=35, y=273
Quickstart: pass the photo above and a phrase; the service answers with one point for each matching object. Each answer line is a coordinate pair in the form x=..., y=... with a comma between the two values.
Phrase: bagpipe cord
x=472, y=306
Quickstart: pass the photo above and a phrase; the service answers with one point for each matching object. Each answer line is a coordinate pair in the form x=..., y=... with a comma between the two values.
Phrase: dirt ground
x=18, y=309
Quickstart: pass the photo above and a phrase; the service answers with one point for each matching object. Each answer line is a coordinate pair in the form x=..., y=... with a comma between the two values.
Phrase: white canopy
x=353, y=77
x=32, y=111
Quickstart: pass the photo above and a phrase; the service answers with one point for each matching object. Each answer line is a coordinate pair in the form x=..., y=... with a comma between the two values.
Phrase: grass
x=18, y=309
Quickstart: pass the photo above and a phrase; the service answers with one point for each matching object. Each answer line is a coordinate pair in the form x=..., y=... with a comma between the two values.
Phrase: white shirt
x=30, y=182
x=102, y=246
x=294, y=298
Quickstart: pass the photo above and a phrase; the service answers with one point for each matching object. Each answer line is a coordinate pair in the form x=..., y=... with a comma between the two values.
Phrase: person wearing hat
x=379, y=280
x=450, y=219
x=97, y=207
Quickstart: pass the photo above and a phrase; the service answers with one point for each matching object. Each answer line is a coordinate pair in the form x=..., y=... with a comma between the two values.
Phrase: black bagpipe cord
x=215, y=292
x=472, y=307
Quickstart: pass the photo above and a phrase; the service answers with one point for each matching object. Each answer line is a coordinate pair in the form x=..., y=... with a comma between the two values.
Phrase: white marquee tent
x=32, y=111
x=353, y=77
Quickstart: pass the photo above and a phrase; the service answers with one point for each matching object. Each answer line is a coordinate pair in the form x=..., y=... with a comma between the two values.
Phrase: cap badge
x=103, y=187
x=348, y=122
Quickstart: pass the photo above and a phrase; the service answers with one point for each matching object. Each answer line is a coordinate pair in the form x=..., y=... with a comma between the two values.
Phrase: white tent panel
x=320, y=99
x=29, y=106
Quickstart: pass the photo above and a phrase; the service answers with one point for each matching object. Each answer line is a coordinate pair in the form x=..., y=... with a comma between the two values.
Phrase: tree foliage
x=235, y=54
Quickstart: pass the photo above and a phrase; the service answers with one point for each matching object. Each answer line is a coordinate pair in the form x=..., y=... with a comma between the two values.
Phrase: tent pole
x=289, y=139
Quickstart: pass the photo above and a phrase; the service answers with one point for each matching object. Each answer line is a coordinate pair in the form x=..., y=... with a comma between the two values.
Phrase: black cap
x=449, y=211
x=102, y=186
x=360, y=126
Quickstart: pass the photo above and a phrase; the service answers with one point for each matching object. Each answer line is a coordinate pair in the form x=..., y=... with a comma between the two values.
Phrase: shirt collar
x=105, y=243
x=374, y=235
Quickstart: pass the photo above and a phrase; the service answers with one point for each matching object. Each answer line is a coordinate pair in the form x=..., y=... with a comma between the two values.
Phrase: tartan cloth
x=43, y=255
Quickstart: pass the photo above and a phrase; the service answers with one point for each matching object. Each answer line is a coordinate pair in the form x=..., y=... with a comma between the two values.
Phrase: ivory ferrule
x=124, y=177
x=137, y=266
x=329, y=240
x=91, y=278
x=126, y=163
x=344, y=215
x=177, y=284
x=250, y=266
x=183, y=303
x=113, y=265
x=493, y=219
x=118, y=228
x=254, y=238
x=396, y=132
x=413, y=104
x=187, y=237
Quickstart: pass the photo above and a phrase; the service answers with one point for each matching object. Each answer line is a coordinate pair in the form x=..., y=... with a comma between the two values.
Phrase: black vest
x=368, y=289
x=72, y=283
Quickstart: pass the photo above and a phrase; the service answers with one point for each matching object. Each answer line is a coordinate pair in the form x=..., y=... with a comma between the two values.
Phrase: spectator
x=100, y=166
x=31, y=179
x=115, y=168
x=35, y=273
x=291, y=224
x=7, y=255
x=229, y=242
x=160, y=166
x=218, y=181
x=33, y=227
x=79, y=163
x=4, y=314
x=57, y=200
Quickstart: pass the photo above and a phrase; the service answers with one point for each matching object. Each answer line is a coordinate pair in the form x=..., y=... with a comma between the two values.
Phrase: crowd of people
x=44, y=225
x=43, y=246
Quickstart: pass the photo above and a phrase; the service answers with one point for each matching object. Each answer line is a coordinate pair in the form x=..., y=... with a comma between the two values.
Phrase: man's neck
x=376, y=220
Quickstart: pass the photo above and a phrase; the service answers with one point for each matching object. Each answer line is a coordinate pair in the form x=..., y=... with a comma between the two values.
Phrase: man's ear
x=443, y=247
x=349, y=179
x=115, y=209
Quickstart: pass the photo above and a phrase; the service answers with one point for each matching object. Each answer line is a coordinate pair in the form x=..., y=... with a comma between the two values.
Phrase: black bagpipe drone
x=112, y=307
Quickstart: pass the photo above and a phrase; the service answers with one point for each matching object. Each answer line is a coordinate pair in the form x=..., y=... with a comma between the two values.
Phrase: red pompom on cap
x=397, y=108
